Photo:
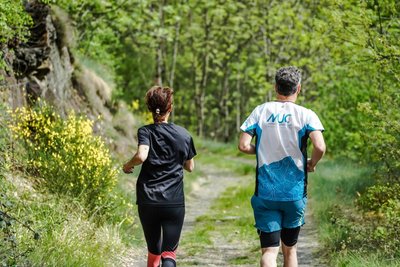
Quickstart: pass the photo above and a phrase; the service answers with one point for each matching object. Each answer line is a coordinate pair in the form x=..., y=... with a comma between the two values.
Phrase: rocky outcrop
x=45, y=67
x=42, y=66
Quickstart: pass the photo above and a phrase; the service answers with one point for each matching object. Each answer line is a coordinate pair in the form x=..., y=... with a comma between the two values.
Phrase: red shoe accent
x=169, y=254
x=153, y=260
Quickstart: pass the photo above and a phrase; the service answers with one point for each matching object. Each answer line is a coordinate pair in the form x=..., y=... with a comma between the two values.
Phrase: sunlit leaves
x=13, y=20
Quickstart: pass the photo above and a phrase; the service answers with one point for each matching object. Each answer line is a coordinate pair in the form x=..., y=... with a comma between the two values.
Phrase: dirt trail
x=308, y=244
x=204, y=191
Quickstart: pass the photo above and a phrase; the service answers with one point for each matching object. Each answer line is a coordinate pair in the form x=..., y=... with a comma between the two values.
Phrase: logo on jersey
x=279, y=118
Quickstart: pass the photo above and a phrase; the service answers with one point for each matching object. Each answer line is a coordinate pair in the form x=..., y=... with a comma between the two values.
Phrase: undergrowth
x=358, y=221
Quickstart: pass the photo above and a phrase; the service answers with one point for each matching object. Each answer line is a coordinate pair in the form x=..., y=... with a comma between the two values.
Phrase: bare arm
x=189, y=165
x=318, y=151
x=139, y=157
x=245, y=144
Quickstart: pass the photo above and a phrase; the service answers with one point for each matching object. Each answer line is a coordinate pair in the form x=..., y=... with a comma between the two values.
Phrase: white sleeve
x=314, y=123
x=250, y=124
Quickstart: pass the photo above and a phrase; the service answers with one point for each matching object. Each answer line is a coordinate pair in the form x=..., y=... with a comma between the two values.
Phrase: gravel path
x=204, y=191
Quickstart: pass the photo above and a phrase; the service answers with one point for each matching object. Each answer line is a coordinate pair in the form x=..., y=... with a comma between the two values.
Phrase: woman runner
x=164, y=150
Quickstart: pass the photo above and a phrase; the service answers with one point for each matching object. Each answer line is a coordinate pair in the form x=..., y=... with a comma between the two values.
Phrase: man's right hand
x=310, y=166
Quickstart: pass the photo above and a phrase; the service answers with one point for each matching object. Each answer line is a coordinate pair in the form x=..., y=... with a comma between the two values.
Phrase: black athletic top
x=160, y=181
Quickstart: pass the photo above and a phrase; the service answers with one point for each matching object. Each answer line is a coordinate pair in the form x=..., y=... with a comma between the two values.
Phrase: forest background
x=221, y=56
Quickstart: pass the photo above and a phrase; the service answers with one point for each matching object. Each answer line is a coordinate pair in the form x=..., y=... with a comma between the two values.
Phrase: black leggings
x=162, y=228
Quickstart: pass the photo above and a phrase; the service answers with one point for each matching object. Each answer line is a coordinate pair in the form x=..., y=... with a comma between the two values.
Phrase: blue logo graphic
x=280, y=118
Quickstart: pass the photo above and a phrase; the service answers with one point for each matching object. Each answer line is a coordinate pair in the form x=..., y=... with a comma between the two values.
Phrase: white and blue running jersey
x=281, y=130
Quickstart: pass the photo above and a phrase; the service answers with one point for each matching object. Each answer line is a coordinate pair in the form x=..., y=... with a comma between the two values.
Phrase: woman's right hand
x=127, y=168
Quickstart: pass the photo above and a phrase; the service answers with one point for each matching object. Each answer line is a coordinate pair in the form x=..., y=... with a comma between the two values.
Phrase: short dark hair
x=287, y=79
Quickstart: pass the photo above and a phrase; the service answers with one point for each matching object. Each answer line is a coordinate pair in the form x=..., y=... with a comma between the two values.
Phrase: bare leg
x=269, y=255
x=289, y=255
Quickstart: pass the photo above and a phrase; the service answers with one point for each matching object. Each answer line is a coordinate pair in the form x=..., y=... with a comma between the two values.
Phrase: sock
x=153, y=260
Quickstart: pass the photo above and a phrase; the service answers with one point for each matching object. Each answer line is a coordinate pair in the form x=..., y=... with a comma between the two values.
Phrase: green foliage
x=376, y=113
x=99, y=25
x=360, y=105
x=354, y=37
x=364, y=232
x=370, y=260
x=353, y=232
x=383, y=126
x=14, y=21
x=65, y=153
x=217, y=57
x=383, y=199
x=14, y=25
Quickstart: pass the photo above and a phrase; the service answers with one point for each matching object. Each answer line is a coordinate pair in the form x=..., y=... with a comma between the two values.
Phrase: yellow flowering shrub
x=65, y=153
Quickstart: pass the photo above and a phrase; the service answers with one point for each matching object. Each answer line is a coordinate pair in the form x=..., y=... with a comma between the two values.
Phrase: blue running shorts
x=271, y=216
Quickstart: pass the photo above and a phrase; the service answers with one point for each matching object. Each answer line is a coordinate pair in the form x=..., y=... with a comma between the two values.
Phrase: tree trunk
x=173, y=64
x=222, y=125
x=160, y=48
x=237, y=102
x=226, y=109
x=202, y=84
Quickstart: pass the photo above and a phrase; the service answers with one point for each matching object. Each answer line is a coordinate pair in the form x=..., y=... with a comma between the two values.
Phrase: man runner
x=281, y=129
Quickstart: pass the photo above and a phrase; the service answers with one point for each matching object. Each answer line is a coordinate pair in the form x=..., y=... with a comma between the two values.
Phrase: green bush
x=361, y=232
x=364, y=233
x=64, y=154
x=375, y=225
x=14, y=24
x=381, y=199
x=14, y=20
x=381, y=136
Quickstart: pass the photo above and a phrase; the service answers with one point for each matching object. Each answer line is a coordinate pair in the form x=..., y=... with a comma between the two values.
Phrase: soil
x=204, y=191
